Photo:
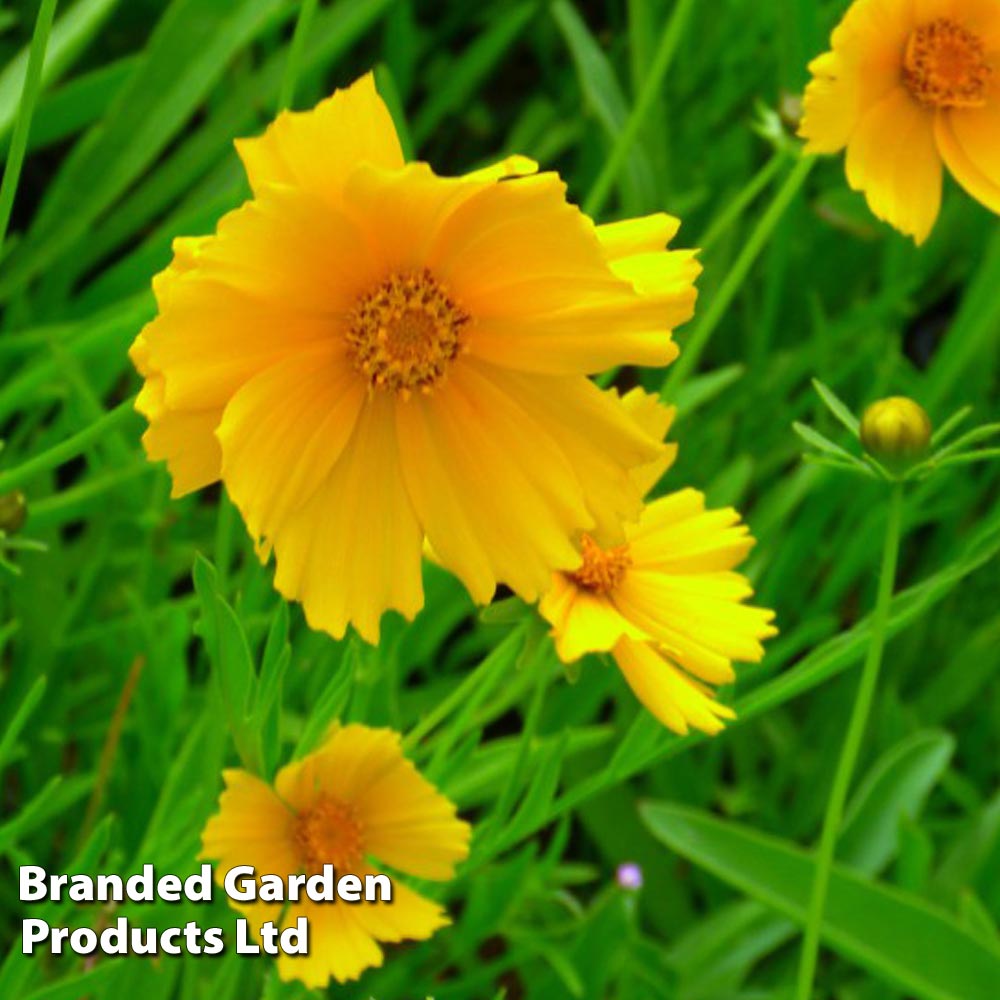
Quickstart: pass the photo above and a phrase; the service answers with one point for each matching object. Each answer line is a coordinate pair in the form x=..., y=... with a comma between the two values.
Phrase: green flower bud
x=896, y=431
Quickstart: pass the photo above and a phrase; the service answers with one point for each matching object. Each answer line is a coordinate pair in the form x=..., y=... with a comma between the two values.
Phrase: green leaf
x=21, y=716
x=71, y=33
x=896, y=787
x=894, y=935
x=187, y=55
x=822, y=443
x=837, y=407
x=232, y=664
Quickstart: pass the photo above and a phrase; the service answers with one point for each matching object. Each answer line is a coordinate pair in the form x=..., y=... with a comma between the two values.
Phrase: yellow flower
x=368, y=354
x=354, y=799
x=909, y=84
x=666, y=603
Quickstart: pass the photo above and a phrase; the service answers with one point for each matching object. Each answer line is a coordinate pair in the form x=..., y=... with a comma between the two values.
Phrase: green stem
x=695, y=345
x=292, y=67
x=598, y=194
x=65, y=450
x=25, y=111
x=852, y=744
x=748, y=194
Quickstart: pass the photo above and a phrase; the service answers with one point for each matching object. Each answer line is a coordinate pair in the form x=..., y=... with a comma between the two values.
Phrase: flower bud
x=896, y=431
x=13, y=511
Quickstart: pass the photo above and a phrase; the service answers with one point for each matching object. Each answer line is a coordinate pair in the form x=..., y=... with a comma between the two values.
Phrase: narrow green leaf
x=837, y=407
x=894, y=935
x=894, y=789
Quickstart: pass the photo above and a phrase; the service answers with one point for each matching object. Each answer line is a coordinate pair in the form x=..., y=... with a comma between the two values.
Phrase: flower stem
x=694, y=346
x=65, y=450
x=651, y=87
x=852, y=744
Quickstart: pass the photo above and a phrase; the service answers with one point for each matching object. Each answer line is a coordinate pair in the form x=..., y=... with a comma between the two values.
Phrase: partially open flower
x=666, y=603
x=896, y=431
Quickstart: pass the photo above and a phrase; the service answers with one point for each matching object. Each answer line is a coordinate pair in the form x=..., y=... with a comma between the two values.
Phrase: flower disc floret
x=403, y=335
x=945, y=65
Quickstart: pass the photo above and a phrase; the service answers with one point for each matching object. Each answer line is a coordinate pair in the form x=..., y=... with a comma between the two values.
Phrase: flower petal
x=497, y=497
x=354, y=550
x=969, y=140
x=252, y=827
x=283, y=432
x=676, y=700
x=317, y=149
x=292, y=250
x=901, y=178
x=611, y=451
x=583, y=622
x=212, y=338
x=531, y=270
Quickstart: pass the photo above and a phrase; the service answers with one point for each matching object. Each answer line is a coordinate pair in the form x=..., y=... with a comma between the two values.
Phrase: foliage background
x=117, y=674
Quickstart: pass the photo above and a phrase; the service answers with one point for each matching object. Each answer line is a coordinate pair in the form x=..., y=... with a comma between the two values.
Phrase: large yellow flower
x=368, y=355
x=354, y=799
x=909, y=84
x=666, y=603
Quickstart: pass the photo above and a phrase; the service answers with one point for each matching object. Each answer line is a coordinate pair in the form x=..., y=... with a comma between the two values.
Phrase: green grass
x=642, y=105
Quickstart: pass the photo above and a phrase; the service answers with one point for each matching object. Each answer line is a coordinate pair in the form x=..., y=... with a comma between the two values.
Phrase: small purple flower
x=629, y=876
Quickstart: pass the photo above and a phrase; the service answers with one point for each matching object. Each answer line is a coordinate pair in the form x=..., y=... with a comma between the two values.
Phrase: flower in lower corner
x=368, y=354
x=355, y=803
x=910, y=86
x=667, y=603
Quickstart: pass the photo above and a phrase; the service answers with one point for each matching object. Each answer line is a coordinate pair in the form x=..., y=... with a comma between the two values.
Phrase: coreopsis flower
x=354, y=800
x=910, y=85
x=369, y=355
x=666, y=603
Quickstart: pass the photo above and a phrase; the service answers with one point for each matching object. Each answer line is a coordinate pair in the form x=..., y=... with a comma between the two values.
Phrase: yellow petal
x=893, y=158
x=283, y=432
x=498, y=499
x=637, y=236
x=530, y=269
x=340, y=947
x=252, y=827
x=611, y=453
x=675, y=700
x=291, y=249
x=583, y=622
x=354, y=550
x=677, y=535
x=317, y=149
x=403, y=211
x=510, y=166
x=649, y=412
x=211, y=339
x=969, y=140
x=862, y=68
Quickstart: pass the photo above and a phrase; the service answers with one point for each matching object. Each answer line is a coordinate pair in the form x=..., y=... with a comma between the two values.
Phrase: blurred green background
x=112, y=734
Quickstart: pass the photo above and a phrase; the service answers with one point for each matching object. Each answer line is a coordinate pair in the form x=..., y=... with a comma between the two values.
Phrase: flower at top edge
x=910, y=86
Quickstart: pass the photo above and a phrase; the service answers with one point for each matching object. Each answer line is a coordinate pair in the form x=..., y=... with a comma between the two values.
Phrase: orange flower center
x=330, y=833
x=603, y=569
x=403, y=335
x=945, y=66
